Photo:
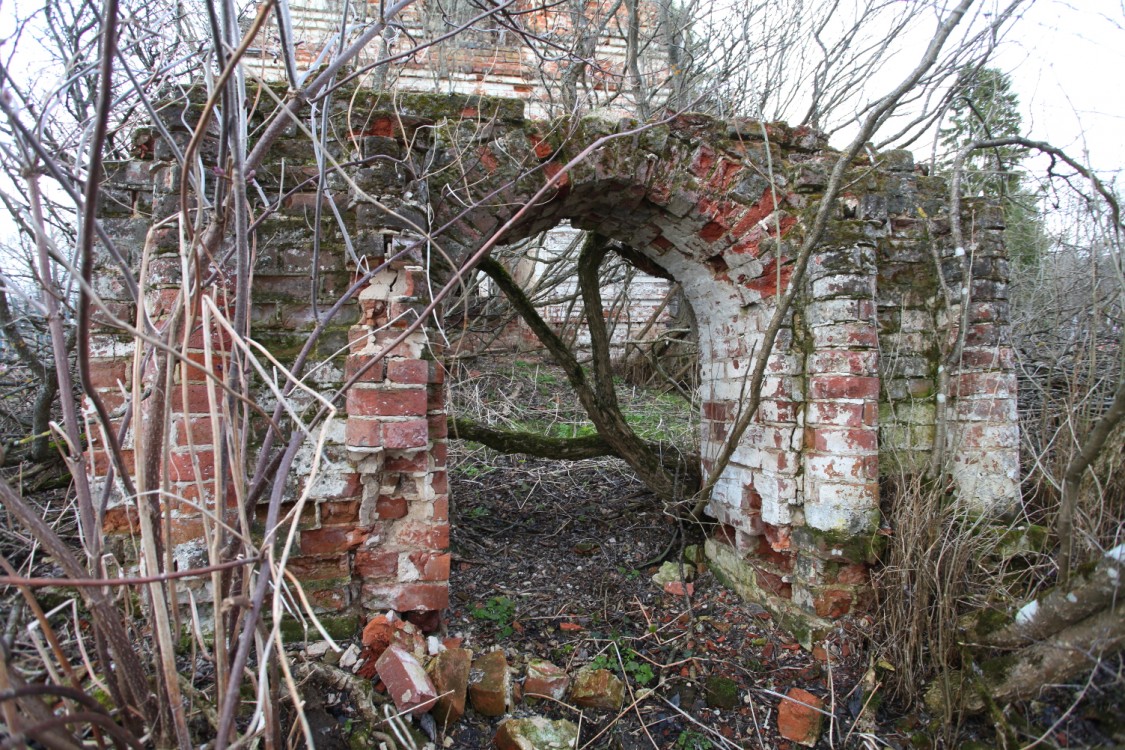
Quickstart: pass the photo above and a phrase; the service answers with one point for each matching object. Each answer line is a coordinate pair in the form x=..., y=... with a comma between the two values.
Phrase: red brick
x=120, y=518
x=431, y=566
x=490, y=688
x=541, y=147
x=438, y=426
x=318, y=567
x=435, y=396
x=420, y=597
x=112, y=400
x=843, y=386
x=712, y=231
x=373, y=564
x=703, y=162
x=777, y=536
x=186, y=530
x=833, y=603
x=339, y=512
x=412, y=433
x=774, y=584
x=407, y=682
x=440, y=454
x=844, y=361
x=410, y=463
x=199, y=427
x=356, y=362
x=331, y=540
x=766, y=284
x=106, y=373
x=799, y=718
x=411, y=371
x=333, y=599
x=853, y=575
x=378, y=402
x=782, y=561
x=358, y=339
x=423, y=535
x=195, y=369
x=441, y=508
x=449, y=671
x=439, y=481
x=102, y=461
x=306, y=521
x=545, y=679
x=95, y=436
x=828, y=439
x=722, y=411
x=220, y=340
x=196, y=398
x=389, y=508
x=181, y=465
x=364, y=433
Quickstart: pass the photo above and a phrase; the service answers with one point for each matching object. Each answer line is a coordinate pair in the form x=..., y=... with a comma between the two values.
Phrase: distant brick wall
x=490, y=60
x=850, y=389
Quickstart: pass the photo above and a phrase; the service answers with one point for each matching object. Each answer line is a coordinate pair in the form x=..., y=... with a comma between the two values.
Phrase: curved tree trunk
x=597, y=398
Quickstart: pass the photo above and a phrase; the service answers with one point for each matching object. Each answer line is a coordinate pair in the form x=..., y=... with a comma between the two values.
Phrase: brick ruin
x=719, y=206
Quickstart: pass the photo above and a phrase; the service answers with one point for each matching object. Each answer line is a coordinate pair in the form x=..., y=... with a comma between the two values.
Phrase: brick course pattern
x=721, y=207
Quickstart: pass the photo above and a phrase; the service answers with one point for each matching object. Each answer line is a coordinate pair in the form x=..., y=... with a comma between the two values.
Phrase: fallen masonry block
x=545, y=679
x=597, y=688
x=407, y=682
x=799, y=717
x=382, y=631
x=490, y=684
x=449, y=671
x=536, y=733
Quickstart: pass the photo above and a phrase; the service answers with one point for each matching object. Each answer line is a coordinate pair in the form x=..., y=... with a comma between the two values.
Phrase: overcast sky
x=1066, y=59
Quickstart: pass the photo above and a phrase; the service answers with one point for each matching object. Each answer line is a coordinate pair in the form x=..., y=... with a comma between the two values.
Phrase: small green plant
x=631, y=574
x=635, y=667
x=478, y=511
x=690, y=739
x=500, y=611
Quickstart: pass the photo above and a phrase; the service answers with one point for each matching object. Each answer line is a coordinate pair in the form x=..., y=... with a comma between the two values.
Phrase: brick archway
x=720, y=207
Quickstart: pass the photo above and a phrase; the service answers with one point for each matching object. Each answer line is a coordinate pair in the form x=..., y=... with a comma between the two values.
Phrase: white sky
x=1066, y=59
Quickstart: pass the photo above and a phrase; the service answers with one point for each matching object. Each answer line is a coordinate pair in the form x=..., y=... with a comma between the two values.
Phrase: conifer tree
x=984, y=107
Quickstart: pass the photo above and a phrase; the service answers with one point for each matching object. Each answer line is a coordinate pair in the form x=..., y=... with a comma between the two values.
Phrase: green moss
x=722, y=692
x=996, y=670
x=340, y=627
x=853, y=547
x=991, y=620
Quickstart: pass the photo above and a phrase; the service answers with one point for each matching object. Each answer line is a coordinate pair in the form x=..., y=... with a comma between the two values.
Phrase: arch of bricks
x=851, y=384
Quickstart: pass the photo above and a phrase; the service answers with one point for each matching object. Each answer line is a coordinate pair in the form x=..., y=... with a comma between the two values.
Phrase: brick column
x=841, y=439
x=396, y=435
x=982, y=439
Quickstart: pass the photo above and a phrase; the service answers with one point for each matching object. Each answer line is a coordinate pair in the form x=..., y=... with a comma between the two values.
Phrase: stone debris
x=671, y=572
x=406, y=681
x=317, y=650
x=536, y=733
x=544, y=678
x=490, y=684
x=597, y=688
x=350, y=658
x=799, y=717
x=449, y=671
x=679, y=588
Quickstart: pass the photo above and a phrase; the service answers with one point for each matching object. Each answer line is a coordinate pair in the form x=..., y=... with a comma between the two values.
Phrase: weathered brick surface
x=407, y=682
x=851, y=387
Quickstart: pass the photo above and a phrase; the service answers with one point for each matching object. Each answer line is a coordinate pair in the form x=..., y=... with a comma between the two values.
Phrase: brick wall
x=851, y=385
